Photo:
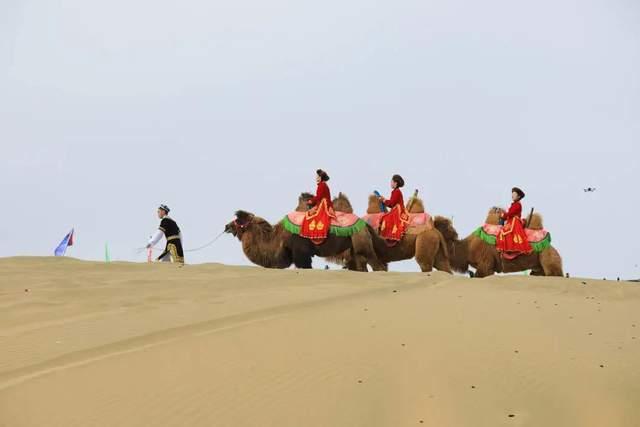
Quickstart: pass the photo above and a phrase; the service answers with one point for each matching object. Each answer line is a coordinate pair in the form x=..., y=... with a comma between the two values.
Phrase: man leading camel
x=169, y=229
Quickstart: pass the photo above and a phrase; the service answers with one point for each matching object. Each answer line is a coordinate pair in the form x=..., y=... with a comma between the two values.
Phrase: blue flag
x=383, y=207
x=66, y=242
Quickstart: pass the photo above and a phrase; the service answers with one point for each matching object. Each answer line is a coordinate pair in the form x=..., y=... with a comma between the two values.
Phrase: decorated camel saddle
x=417, y=220
x=341, y=220
x=342, y=224
x=538, y=237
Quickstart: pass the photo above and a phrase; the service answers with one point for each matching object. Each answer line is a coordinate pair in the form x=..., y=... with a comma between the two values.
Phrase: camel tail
x=443, y=245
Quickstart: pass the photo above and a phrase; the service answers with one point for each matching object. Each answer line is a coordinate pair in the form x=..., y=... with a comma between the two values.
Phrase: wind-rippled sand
x=91, y=344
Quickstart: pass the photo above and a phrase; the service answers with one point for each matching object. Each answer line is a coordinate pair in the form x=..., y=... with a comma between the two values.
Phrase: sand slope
x=88, y=344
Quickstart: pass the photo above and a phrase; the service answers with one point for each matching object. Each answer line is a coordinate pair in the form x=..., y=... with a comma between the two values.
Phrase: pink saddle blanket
x=416, y=220
x=534, y=236
x=341, y=220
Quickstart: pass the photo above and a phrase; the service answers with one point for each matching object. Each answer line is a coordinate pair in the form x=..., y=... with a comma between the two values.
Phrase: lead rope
x=215, y=239
x=199, y=248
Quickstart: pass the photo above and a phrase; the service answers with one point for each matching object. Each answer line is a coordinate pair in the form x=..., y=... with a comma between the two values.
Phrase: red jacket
x=515, y=211
x=395, y=199
x=322, y=192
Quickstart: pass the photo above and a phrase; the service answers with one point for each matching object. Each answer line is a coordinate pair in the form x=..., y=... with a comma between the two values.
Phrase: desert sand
x=92, y=344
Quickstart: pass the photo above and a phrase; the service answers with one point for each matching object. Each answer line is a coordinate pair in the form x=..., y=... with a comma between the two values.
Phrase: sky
x=108, y=109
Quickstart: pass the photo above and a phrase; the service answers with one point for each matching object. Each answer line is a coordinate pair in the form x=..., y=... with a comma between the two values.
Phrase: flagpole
x=68, y=241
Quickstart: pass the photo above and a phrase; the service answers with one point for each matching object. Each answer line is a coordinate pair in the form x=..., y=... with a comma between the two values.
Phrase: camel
x=424, y=243
x=272, y=246
x=475, y=252
x=264, y=244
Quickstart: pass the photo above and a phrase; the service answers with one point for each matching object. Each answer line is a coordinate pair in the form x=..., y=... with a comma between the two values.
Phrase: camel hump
x=342, y=204
x=535, y=221
x=373, y=206
x=494, y=216
x=303, y=206
x=415, y=205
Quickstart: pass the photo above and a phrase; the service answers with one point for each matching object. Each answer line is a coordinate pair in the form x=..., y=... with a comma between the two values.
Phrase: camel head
x=342, y=204
x=238, y=226
x=494, y=215
x=302, y=202
x=246, y=222
x=445, y=227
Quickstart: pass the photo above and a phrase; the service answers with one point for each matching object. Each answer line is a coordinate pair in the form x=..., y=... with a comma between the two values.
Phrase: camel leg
x=427, y=245
x=484, y=269
x=364, y=252
x=361, y=263
x=376, y=264
x=483, y=273
x=441, y=262
x=551, y=262
x=425, y=267
x=302, y=260
x=352, y=263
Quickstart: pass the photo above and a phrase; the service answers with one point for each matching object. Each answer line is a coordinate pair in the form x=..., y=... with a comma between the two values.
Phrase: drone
x=590, y=190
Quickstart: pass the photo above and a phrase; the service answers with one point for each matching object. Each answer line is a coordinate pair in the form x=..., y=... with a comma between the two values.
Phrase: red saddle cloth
x=512, y=240
x=317, y=223
x=394, y=224
x=414, y=220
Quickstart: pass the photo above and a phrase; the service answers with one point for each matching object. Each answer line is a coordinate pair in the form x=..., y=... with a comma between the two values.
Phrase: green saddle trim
x=491, y=240
x=335, y=230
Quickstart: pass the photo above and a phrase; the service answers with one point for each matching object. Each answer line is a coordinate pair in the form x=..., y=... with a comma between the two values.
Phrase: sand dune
x=89, y=344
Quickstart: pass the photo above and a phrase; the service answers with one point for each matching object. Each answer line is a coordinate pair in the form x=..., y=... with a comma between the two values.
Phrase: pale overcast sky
x=109, y=108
